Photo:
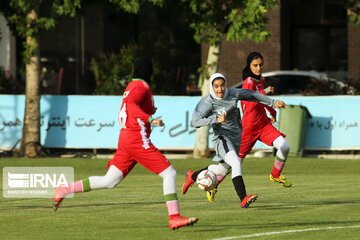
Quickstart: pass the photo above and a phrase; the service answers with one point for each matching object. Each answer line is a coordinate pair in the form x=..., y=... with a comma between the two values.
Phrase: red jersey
x=254, y=115
x=137, y=107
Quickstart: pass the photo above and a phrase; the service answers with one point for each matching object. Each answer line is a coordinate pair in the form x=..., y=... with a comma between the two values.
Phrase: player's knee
x=218, y=169
x=285, y=148
x=222, y=171
x=170, y=172
x=235, y=174
x=111, y=183
x=236, y=170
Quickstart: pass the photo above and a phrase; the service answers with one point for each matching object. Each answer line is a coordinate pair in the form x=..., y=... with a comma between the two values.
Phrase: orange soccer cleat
x=248, y=200
x=188, y=181
x=60, y=194
x=181, y=221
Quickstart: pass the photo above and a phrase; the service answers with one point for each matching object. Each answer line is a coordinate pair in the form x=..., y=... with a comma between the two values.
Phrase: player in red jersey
x=134, y=146
x=257, y=125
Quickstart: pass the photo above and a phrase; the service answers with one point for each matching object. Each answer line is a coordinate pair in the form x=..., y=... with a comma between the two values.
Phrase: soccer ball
x=206, y=180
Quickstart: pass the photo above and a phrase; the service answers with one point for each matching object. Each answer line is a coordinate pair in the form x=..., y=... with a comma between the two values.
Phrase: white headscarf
x=212, y=78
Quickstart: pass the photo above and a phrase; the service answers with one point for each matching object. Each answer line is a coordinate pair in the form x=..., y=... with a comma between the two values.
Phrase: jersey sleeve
x=249, y=95
x=202, y=115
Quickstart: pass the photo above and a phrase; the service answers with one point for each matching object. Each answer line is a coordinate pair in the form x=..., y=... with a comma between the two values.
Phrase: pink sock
x=278, y=166
x=219, y=179
x=173, y=208
x=75, y=187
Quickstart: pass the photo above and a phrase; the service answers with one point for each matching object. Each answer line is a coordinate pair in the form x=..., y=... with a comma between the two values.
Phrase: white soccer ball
x=206, y=180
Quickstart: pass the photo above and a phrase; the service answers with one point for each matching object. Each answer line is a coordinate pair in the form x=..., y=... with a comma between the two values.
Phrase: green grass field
x=324, y=203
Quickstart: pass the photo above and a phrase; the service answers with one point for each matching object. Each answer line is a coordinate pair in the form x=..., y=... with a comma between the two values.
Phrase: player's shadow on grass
x=300, y=205
x=90, y=205
x=332, y=202
x=275, y=207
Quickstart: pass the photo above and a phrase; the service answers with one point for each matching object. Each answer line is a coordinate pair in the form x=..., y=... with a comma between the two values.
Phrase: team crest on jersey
x=126, y=93
x=221, y=111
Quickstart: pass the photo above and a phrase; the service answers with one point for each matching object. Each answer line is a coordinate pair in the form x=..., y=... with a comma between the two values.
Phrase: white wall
x=7, y=47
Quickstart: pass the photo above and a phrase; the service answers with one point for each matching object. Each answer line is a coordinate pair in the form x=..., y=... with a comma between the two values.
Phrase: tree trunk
x=30, y=142
x=201, y=149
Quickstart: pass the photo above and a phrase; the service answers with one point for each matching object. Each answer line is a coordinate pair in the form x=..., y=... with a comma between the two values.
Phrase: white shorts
x=222, y=146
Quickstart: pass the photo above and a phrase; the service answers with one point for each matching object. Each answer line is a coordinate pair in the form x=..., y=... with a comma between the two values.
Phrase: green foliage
x=213, y=19
x=354, y=12
x=128, y=5
x=28, y=18
x=204, y=72
x=66, y=7
x=250, y=22
x=47, y=14
x=133, y=6
x=113, y=71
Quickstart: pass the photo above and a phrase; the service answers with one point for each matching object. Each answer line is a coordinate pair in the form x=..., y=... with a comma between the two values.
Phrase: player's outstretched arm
x=249, y=95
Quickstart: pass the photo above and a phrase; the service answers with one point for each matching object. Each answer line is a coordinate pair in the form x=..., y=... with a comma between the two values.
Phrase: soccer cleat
x=188, y=181
x=211, y=194
x=248, y=200
x=181, y=221
x=60, y=194
x=282, y=180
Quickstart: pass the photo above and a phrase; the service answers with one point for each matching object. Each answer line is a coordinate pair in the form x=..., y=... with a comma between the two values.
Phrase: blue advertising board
x=335, y=122
x=91, y=121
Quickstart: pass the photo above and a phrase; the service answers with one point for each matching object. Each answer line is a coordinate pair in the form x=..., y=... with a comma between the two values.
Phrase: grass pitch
x=324, y=203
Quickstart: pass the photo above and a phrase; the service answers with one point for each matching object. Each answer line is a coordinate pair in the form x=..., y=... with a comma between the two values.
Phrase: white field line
x=286, y=231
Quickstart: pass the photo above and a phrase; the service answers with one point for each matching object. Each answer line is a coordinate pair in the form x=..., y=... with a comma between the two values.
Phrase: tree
x=27, y=19
x=353, y=7
x=133, y=6
x=214, y=19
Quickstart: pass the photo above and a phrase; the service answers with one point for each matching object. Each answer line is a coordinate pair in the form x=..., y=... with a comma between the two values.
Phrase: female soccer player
x=134, y=146
x=256, y=123
x=219, y=110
